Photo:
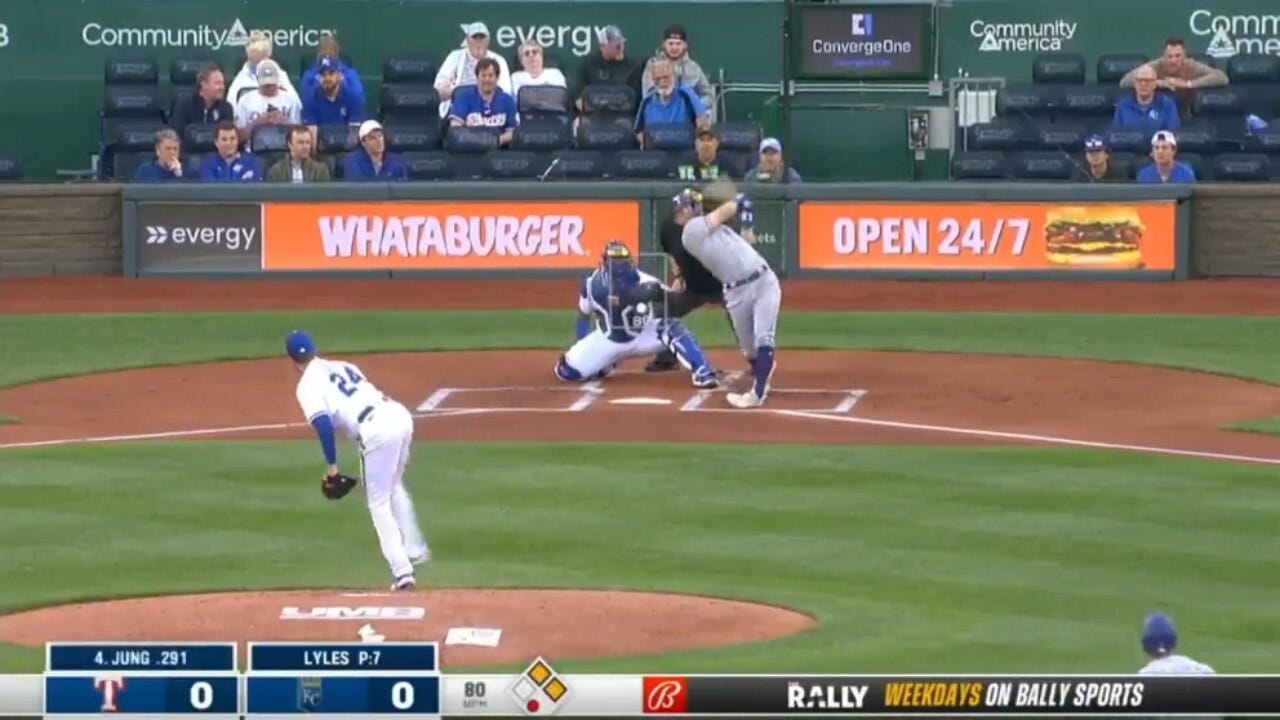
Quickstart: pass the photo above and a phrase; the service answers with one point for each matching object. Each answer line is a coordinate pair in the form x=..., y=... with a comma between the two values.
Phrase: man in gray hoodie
x=675, y=49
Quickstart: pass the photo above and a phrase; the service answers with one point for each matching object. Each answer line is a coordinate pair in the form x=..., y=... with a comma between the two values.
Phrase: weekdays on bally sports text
x=387, y=679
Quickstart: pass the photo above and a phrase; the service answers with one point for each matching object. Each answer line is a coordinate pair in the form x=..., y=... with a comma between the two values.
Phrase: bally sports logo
x=511, y=235
x=338, y=612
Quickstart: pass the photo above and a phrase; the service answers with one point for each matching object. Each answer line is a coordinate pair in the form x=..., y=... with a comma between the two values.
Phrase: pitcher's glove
x=336, y=487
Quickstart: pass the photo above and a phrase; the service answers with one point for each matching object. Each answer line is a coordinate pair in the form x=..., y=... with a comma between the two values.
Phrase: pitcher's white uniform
x=383, y=428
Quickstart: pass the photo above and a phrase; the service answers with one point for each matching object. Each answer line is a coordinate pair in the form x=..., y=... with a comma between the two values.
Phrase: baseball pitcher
x=620, y=298
x=336, y=395
x=752, y=293
x=1159, y=638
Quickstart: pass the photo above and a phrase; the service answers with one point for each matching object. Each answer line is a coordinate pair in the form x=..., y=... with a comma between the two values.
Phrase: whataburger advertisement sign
x=445, y=235
x=987, y=236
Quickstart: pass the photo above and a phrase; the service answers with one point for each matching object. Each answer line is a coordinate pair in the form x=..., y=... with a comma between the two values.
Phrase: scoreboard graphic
x=403, y=680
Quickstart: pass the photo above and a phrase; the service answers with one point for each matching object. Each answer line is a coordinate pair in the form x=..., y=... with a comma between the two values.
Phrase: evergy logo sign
x=96, y=34
x=579, y=39
x=1234, y=34
x=199, y=236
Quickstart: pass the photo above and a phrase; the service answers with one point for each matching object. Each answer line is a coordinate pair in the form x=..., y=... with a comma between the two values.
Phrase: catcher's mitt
x=336, y=487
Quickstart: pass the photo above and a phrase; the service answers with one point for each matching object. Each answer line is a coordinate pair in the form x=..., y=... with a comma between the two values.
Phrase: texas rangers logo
x=110, y=686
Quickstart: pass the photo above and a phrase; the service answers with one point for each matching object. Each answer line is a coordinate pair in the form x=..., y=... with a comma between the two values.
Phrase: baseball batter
x=1159, y=638
x=752, y=293
x=620, y=298
x=336, y=395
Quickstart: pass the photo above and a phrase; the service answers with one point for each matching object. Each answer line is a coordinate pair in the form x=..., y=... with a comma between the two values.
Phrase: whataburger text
x=446, y=235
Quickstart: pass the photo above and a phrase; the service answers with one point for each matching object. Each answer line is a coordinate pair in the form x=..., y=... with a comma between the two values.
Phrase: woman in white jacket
x=256, y=50
x=459, y=67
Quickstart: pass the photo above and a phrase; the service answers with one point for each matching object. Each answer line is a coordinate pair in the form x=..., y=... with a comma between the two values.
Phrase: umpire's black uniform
x=700, y=287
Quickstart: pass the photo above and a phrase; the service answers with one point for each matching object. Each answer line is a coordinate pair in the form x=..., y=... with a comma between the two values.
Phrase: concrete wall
x=60, y=229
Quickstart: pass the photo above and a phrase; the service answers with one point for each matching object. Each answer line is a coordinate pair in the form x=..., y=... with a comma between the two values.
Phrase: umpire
x=692, y=287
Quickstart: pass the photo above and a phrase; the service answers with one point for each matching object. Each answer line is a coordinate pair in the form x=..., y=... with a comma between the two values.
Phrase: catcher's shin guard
x=684, y=345
x=566, y=373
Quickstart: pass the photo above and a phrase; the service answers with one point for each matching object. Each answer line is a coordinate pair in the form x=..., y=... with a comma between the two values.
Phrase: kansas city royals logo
x=310, y=694
x=110, y=686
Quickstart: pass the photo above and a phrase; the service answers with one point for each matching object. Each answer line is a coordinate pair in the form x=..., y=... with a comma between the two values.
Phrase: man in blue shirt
x=1146, y=109
x=485, y=104
x=669, y=102
x=328, y=48
x=1165, y=169
x=332, y=102
x=167, y=165
x=228, y=164
x=371, y=162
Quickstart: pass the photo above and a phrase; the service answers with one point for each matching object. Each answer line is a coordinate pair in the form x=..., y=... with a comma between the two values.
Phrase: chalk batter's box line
x=584, y=396
x=847, y=402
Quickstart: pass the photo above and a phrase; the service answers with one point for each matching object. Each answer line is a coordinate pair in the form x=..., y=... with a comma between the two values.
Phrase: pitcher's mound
x=552, y=623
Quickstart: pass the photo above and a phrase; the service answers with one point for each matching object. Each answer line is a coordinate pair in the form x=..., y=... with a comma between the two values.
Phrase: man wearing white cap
x=771, y=168
x=371, y=162
x=459, y=67
x=1164, y=145
x=267, y=104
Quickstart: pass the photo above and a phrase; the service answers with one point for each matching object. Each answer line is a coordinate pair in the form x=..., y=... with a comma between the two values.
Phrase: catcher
x=621, y=298
x=335, y=394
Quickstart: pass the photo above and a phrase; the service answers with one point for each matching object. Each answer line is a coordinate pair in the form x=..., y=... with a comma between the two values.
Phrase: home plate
x=640, y=401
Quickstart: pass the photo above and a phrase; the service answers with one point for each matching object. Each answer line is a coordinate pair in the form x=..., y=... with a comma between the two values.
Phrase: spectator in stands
x=1165, y=169
x=675, y=51
x=1097, y=163
x=534, y=70
x=256, y=51
x=329, y=48
x=1179, y=74
x=459, y=67
x=371, y=162
x=669, y=101
x=609, y=65
x=167, y=166
x=299, y=166
x=704, y=163
x=1146, y=109
x=332, y=102
x=772, y=167
x=208, y=105
x=485, y=104
x=270, y=103
x=228, y=164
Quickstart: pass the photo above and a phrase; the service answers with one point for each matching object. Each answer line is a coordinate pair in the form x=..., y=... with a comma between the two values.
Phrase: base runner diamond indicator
x=539, y=689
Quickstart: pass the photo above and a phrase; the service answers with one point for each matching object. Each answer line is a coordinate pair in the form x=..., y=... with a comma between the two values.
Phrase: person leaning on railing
x=772, y=168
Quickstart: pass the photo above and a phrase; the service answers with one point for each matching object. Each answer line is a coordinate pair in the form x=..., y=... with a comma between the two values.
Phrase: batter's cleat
x=706, y=382
x=664, y=361
x=403, y=583
x=745, y=400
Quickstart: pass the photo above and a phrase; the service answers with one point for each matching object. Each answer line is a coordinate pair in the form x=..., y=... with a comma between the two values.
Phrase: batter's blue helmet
x=300, y=346
x=1159, y=637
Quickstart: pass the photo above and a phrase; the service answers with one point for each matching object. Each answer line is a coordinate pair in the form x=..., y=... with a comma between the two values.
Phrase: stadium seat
x=131, y=71
x=409, y=101
x=1241, y=167
x=1198, y=136
x=1253, y=69
x=1061, y=136
x=191, y=164
x=1041, y=165
x=181, y=95
x=10, y=168
x=132, y=101
x=125, y=164
x=1058, y=68
x=1113, y=66
x=411, y=68
x=122, y=136
x=471, y=140
x=409, y=136
x=468, y=167
x=1227, y=100
x=335, y=139
x=577, y=164
x=1086, y=101
x=199, y=138
x=269, y=138
x=605, y=132
x=739, y=136
x=183, y=71
x=669, y=136
x=1129, y=140
x=1017, y=100
x=1124, y=162
x=541, y=100
x=541, y=134
x=609, y=99
x=1267, y=141
x=429, y=164
x=274, y=156
x=513, y=165
x=641, y=164
x=999, y=134
x=978, y=165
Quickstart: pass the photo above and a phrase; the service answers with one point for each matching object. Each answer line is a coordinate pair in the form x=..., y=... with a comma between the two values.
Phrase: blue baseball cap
x=328, y=64
x=300, y=346
x=1096, y=142
x=1159, y=637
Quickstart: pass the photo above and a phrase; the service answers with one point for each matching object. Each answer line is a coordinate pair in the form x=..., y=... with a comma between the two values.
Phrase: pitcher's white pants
x=385, y=437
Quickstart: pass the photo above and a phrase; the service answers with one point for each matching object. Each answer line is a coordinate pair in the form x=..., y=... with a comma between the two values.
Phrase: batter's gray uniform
x=752, y=293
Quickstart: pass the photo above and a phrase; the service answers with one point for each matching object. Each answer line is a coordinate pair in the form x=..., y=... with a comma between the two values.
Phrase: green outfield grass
x=912, y=559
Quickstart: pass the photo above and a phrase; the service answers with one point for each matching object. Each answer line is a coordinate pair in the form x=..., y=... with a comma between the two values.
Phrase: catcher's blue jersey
x=608, y=299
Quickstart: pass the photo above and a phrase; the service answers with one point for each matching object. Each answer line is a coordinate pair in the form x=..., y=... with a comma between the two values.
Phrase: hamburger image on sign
x=1096, y=236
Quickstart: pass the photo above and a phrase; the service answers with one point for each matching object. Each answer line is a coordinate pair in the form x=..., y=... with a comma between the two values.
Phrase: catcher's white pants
x=596, y=351
x=385, y=437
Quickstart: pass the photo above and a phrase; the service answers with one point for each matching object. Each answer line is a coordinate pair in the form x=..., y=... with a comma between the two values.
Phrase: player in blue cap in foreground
x=1159, y=638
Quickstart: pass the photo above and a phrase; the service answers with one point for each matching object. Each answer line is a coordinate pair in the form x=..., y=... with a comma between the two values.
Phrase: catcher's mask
x=617, y=263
